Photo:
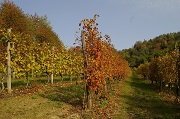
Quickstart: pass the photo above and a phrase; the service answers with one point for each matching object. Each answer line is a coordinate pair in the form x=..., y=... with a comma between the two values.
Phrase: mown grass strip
x=141, y=101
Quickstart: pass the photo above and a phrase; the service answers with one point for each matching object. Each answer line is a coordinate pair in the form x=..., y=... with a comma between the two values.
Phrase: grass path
x=132, y=98
x=139, y=100
x=57, y=102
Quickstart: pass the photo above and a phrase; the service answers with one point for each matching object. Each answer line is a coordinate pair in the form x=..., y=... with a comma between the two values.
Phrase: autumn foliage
x=35, y=50
x=103, y=62
x=162, y=70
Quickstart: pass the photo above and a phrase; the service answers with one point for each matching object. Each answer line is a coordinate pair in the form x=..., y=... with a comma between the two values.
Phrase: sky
x=126, y=21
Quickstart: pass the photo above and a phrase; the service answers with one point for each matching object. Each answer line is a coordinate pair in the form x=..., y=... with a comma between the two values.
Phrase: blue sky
x=126, y=21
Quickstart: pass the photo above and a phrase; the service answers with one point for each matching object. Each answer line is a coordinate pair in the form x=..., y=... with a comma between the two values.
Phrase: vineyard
x=89, y=78
x=30, y=48
x=164, y=71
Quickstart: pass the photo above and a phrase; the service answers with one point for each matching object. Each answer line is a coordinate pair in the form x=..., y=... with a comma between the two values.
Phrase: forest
x=144, y=51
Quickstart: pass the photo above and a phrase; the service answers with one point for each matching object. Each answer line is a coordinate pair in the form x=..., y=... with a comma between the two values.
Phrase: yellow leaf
x=28, y=65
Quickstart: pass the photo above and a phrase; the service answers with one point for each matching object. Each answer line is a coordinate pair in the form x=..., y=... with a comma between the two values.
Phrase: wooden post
x=9, y=68
x=87, y=90
x=52, y=65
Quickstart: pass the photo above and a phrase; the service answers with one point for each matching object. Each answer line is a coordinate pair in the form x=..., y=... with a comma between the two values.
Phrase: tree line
x=144, y=51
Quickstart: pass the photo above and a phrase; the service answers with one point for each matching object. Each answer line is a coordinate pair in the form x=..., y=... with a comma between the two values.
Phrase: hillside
x=143, y=51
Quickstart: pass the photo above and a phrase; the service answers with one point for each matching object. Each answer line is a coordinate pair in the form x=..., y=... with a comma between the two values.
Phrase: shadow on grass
x=71, y=94
x=39, y=80
x=145, y=103
x=141, y=84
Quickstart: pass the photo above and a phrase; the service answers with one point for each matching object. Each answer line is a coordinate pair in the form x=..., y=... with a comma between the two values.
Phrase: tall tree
x=11, y=16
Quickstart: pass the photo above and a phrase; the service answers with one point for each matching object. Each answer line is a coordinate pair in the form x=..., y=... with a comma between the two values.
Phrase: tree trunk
x=87, y=90
x=32, y=74
x=169, y=86
x=161, y=85
x=106, y=86
x=70, y=77
x=2, y=84
x=61, y=77
x=89, y=98
x=156, y=83
x=27, y=79
x=51, y=78
x=13, y=75
x=151, y=82
x=48, y=77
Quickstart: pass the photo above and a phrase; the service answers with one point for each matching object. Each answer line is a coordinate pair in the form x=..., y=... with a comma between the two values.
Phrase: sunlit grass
x=141, y=101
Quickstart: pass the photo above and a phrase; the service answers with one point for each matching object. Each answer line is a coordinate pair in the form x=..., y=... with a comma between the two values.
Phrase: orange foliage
x=103, y=61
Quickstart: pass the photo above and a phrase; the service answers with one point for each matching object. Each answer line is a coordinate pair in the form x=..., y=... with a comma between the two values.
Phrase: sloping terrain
x=130, y=98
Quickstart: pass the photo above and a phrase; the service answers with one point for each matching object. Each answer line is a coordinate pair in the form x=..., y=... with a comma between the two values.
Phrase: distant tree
x=11, y=16
x=148, y=49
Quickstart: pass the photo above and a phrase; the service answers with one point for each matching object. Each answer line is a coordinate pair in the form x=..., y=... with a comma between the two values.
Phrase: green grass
x=54, y=102
x=130, y=98
x=21, y=82
x=71, y=94
x=28, y=107
x=141, y=101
